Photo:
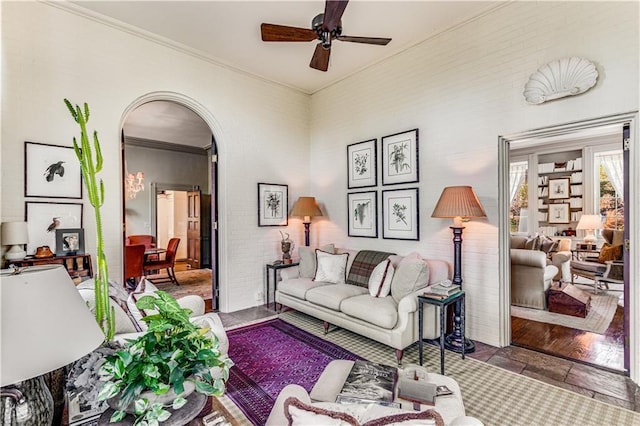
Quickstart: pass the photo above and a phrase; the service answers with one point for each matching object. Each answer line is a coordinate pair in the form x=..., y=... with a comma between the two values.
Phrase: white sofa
x=391, y=320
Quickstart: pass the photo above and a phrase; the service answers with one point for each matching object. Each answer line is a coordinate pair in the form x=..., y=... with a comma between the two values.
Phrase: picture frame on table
x=43, y=218
x=273, y=204
x=51, y=171
x=400, y=158
x=362, y=164
x=69, y=241
x=363, y=214
x=400, y=214
x=559, y=188
x=559, y=213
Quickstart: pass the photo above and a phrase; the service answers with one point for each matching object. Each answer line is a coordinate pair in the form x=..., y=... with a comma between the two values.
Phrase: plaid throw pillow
x=363, y=264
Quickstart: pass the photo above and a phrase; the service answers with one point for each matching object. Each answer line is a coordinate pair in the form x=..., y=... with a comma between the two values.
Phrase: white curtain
x=516, y=176
x=612, y=164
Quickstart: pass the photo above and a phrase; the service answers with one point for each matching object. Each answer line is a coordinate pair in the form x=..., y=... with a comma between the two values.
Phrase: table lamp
x=459, y=203
x=15, y=234
x=589, y=223
x=45, y=325
x=306, y=207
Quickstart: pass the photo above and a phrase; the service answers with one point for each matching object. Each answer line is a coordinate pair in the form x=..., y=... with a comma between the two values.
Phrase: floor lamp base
x=454, y=343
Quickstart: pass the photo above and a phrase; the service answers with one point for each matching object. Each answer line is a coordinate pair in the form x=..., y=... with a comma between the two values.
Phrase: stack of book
x=438, y=291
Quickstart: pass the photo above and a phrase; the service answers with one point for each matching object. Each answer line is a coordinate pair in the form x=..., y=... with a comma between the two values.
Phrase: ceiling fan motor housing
x=325, y=36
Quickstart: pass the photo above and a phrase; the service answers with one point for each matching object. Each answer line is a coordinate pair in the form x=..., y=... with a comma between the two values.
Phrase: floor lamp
x=459, y=203
x=306, y=207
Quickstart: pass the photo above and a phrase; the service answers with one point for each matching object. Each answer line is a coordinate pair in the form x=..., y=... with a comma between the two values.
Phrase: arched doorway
x=169, y=139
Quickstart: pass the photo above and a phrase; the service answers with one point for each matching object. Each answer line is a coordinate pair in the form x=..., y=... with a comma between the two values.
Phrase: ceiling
x=228, y=32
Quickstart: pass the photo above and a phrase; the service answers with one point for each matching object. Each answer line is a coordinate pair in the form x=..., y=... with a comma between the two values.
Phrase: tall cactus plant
x=104, y=313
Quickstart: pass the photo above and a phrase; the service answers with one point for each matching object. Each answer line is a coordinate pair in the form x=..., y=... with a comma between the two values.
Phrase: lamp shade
x=45, y=323
x=14, y=233
x=590, y=221
x=306, y=207
x=458, y=202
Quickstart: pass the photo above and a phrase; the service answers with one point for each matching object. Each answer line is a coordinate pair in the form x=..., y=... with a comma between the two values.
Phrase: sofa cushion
x=307, y=256
x=332, y=296
x=380, y=279
x=331, y=268
x=298, y=287
x=363, y=264
x=411, y=274
x=380, y=311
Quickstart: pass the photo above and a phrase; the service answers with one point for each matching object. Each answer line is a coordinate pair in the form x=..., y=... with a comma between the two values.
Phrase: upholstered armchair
x=608, y=262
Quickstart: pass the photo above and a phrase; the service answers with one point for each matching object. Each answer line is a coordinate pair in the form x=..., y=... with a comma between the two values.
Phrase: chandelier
x=134, y=184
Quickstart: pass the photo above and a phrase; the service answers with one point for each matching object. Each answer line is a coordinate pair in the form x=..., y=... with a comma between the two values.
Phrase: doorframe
x=221, y=238
x=156, y=188
x=631, y=208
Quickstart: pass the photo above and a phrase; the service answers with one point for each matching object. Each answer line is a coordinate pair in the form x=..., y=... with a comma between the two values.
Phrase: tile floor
x=612, y=388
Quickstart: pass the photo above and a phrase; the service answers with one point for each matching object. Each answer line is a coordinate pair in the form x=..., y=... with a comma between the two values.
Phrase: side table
x=275, y=267
x=443, y=304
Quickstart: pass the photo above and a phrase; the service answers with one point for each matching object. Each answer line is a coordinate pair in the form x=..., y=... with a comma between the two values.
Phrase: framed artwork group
x=399, y=207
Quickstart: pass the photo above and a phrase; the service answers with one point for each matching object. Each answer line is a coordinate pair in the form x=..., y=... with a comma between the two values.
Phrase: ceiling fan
x=325, y=27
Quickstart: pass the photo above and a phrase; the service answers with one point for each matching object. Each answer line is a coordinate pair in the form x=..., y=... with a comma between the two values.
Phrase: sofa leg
x=399, y=355
x=326, y=327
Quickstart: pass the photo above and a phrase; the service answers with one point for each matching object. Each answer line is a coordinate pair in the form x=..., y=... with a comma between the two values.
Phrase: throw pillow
x=532, y=243
x=380, y=279
x=307, y=256
x=135, y=311
x=547, y=244
x=331, y=268
x=299, y=413
x=610, y=252
x=411, y=275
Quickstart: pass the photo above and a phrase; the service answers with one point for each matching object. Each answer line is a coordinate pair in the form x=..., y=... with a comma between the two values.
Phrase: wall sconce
x=458, y=203
x=134, y=184
x=306, y=207
x=15, y=234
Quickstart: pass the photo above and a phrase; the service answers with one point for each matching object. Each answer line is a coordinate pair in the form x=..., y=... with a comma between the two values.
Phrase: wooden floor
x=603, y=350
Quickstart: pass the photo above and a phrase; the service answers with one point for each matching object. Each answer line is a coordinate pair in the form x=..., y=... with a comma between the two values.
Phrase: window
x=609, y=169
x=518, y=191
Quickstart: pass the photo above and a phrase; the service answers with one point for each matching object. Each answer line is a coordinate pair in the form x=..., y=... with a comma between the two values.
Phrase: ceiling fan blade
x=272, y=32
x=320, y=59
x=333, y=10
x=366, y=40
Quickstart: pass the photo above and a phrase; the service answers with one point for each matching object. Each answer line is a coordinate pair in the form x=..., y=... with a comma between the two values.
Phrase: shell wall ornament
x=557, y=79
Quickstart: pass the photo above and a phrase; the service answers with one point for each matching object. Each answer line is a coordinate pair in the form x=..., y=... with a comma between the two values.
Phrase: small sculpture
x=287, y=247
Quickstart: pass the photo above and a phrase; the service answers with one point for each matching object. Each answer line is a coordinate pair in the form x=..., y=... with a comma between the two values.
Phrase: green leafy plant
x=105, y=315
x=171, y=352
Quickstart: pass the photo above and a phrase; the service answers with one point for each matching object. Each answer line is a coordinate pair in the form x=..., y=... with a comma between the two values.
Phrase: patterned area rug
x=603, y=308
x=197, y=282
x=270, y=355
x=492, y=394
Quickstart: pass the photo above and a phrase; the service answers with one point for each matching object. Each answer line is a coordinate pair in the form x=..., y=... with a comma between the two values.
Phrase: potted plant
x=171, y=356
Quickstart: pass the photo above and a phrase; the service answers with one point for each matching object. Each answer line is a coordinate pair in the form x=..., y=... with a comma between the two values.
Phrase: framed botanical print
x=362, y=164
x=273, y=204
x=400, y=158
x=44, y=218
x=69, y=241
x=559, y=213
x=559, y=188
x=51, y=171
x=400, y=217
x=363, y=214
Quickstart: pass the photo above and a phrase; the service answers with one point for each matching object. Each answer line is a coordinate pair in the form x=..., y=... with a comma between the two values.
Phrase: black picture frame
x=363, y=214
x=400, y=158
x=69, y=241
x=401, y=214
x=51, y=171
x=273, y=204
x=362, y=164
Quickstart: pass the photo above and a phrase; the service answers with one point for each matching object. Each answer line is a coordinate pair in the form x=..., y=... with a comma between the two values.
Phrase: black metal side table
x=275, y=267
x=443, y=304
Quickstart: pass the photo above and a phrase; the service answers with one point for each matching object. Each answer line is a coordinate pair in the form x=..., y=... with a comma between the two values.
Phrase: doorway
x=556, y=340
x=170, y=146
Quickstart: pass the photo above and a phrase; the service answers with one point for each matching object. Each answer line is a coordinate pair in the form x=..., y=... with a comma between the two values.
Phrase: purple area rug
x=270, y=355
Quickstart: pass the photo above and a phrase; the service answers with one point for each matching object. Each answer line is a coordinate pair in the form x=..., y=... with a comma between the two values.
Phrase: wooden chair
x=133, y=263
x=167, y=263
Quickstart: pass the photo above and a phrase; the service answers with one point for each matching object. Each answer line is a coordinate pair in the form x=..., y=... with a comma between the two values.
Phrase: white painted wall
x=262, y=134
x=463, y=89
